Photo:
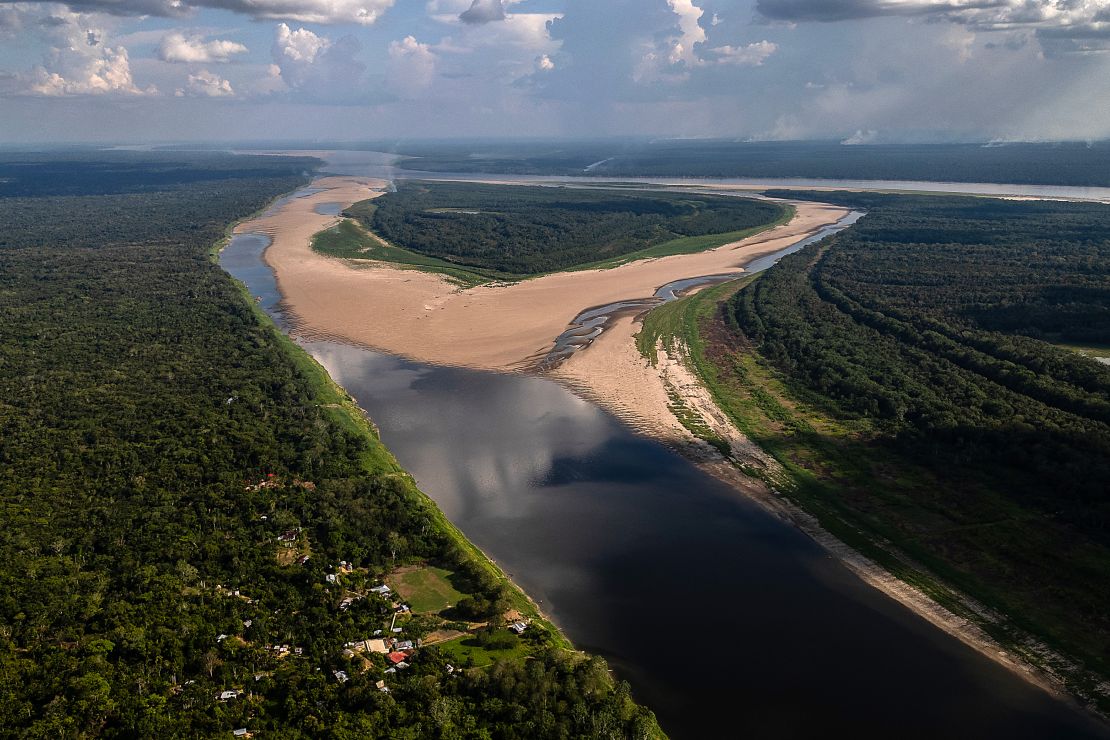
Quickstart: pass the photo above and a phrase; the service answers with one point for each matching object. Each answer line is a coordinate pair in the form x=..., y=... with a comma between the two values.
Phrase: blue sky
x=858, y=70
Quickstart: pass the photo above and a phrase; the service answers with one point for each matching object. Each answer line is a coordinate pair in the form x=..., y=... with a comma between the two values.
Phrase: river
x=380, y=164
x=726, y=621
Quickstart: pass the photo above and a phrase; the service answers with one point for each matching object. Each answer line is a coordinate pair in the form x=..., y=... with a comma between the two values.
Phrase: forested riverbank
x=198, y=522
x=899, y=375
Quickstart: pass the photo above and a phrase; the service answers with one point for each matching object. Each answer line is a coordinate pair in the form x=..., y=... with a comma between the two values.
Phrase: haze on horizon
x=853, y=70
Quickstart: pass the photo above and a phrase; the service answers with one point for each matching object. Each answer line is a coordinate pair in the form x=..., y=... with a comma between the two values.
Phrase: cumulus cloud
x=205, y=84
x=176, y=47
x=751, y=55
x=363, y=12
x=672, y=57
x=483, y=11
x=78, y=60
x=412, y=66
x=544, y=63
x=317, y=67
x=106, y=72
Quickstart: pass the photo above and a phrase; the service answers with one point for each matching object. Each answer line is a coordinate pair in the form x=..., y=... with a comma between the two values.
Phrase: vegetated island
x=906, y=380
x=203, y=534
x=477, y=233
x=427, y=316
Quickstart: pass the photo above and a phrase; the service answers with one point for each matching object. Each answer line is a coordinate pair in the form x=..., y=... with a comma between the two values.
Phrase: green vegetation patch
x=485, y=648
x=527, y=230
x=899, y=374
x=427, y=588
x=348, y=240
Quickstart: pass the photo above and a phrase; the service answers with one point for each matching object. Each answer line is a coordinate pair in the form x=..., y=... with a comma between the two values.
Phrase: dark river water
x=727, y=622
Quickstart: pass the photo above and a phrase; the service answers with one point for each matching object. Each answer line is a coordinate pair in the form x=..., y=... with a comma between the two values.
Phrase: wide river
x=726, y=621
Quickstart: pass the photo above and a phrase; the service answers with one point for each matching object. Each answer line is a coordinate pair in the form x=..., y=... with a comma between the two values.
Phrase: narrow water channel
x=726, y=621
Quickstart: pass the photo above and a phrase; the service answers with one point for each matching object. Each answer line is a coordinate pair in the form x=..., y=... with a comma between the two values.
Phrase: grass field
x=467, y=651
x=426, y=588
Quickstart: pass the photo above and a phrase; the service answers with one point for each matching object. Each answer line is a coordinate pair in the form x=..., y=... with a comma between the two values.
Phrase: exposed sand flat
x=497, y=327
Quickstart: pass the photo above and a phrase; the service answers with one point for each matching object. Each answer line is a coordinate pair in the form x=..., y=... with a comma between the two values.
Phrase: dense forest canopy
x=158, y=439
x=1067, y=163
x=525, y=230
x=927, y=326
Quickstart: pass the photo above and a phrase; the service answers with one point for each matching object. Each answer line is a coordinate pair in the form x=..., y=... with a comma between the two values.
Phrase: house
x=450, y=669
x=404, y=645
x=303, y=559
x=348, y=653
x=221, y=637
x=341, y=676
x=377, y=646
x=241, y=732
x=289, y=535
x=396, y=657
x=518, y=627
x=229, y=694
x=247, y=623
x=402, y=665
x=380, y=685
x=346, y=603
x=382, y=589
x=330, y=578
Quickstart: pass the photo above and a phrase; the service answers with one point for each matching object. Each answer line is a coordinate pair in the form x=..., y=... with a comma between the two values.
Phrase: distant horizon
x=303, y=143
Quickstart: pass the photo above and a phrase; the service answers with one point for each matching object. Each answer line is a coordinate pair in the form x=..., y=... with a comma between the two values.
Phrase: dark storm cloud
x=483, y=11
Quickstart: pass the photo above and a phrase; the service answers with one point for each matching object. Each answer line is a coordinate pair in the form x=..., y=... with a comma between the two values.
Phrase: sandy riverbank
x=424, y=317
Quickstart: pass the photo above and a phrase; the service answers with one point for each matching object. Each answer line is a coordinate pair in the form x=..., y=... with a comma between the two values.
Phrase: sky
x=854, y=70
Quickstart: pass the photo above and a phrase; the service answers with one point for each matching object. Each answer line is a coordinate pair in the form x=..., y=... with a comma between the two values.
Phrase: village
x=403, y=613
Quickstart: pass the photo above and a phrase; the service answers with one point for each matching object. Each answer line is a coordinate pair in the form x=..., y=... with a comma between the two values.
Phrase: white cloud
x=176, y=47
x=691, y=32
x=108, y=72
x=78, y=61
x=544, y=63
x=752, y=55
x=319, y=68
x=297, y=47
x=412, y=66
x=205, y=84
x=362, y=12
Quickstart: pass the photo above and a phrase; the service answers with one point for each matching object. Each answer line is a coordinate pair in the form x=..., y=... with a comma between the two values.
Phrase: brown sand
x=498, y=327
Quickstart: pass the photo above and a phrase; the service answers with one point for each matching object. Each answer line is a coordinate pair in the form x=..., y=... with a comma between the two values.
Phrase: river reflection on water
x=726, y=621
